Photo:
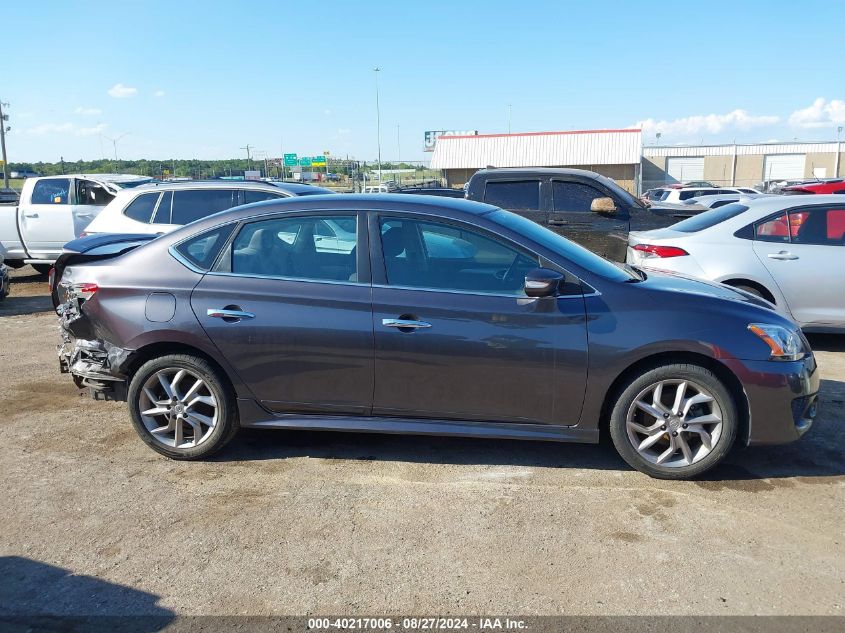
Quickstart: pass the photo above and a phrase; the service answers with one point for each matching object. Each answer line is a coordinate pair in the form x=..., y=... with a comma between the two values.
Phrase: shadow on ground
x=827, y=342
x=820, y=453
x=38, y=596
x=15, y=306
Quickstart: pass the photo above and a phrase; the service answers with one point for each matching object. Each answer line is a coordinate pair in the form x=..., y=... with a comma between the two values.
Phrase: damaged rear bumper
x=93, y=363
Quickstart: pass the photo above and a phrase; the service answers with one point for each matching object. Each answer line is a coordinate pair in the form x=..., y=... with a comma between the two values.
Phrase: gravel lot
x=318, y=523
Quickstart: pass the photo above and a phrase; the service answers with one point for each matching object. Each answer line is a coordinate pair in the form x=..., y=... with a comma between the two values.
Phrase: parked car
x=581, y=205
x=720, y=200
x=443, y=192
x=515, y=333
x=8, y=196
x=834, y=185
x=52, y=211
x=788, y=250
x=681, y=195
x=375, y=189
x=697, y=183
x=5, y=282
x=164, y=206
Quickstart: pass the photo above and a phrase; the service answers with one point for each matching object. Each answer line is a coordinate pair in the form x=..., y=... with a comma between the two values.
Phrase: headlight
x=785, y=344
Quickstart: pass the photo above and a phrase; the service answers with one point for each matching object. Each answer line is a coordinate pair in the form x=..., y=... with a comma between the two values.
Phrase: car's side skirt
x=413, y=426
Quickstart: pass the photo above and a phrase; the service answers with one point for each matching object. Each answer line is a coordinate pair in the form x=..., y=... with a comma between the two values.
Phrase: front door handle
x=405, y=323
x=783, y=255
x=30, y=215
x=223, y=313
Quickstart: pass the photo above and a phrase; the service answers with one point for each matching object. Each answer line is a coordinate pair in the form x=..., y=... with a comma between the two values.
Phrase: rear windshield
x=709, y=218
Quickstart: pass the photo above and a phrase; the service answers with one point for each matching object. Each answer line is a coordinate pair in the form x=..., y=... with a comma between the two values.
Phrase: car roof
x=116, y=178
x=206, y=184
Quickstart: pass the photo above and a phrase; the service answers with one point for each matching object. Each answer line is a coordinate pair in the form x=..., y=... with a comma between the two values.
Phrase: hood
x=666, y=281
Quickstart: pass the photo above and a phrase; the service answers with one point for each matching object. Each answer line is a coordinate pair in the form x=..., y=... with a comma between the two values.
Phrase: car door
x=46, y=221
x=804, y=251
x=571, y=215
x=89, y=198
x=294, y=322
x=456, y=337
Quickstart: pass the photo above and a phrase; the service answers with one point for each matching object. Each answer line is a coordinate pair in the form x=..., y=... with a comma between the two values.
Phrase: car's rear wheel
x=182, y=406
x=674, y=421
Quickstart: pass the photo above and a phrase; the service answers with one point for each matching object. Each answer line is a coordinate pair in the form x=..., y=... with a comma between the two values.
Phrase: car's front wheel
x=674, y=421
x=182, y=406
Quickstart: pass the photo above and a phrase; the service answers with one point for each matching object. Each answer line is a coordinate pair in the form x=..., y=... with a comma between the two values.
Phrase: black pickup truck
x=581, y=205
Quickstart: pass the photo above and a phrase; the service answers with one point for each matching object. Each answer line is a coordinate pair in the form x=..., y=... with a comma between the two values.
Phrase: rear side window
x=141, y=208
x=523, y=195
x=774, y=229
x=51, y=191
x=250, y=196
x=202, y=250
x=709, y=218
x=194, y=204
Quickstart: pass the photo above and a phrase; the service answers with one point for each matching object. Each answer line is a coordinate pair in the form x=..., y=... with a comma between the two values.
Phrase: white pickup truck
x=54, y=210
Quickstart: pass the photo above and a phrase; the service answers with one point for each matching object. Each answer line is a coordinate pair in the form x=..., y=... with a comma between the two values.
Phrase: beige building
x=741, y=165
x=613, y=153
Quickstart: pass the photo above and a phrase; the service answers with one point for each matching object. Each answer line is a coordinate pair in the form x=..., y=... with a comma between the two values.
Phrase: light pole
x=510, y=112
x=114, y=142
x=3, y=119
x=248, y=157
x=377, y=70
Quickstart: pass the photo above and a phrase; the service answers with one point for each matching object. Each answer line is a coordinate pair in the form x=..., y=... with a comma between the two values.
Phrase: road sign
x=305, y=161
x=318, y=160
x=290, y=160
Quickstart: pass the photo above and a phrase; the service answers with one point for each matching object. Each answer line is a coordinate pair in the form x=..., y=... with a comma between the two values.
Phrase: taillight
x=85, y=290
x=654, y=250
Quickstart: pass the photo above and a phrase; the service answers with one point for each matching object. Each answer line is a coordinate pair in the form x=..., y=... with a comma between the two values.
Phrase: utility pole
x=248, y=157
x=3, y=118
x=377, y=70
x=510, y=112
x=114, y=142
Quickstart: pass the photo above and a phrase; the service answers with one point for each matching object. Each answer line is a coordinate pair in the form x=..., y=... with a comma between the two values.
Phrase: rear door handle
x=783, y=255
x=405, y=323
x=222, y=313
x=30, y=215
x=566, y=223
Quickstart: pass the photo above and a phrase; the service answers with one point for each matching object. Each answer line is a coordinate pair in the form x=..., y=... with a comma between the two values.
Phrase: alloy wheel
x=178, y=408
x=674, y=423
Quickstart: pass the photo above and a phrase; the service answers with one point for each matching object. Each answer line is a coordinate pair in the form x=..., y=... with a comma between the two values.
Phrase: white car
x=790, y=250
x=162, y=207
x=720, y=200
x=681, y=195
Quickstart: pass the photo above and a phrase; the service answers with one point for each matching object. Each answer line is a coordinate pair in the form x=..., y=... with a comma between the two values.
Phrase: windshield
x=709, y=218
x=562, y=246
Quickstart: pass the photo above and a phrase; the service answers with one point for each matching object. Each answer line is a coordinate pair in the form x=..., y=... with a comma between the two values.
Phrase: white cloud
x=89, y=111
x=52, y=129
x=119, y=91
x=158, y=93
x=707, y=123
x=822, y=113
x=327, y=112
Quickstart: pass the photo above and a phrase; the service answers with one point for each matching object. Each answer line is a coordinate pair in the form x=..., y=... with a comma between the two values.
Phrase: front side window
x=574, y=196
x=51, y=191
x=522, y=195
x=818, y=226
x=193, y=204
x=434, y=256
x=141, y=208
x=311, y=248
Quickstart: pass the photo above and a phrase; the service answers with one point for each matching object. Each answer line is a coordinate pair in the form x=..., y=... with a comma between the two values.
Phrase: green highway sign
x=305, y=161
x=290, y=160
x=318, y=160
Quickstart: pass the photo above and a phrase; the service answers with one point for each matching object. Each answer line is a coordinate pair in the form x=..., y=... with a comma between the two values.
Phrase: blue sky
x=202, y=80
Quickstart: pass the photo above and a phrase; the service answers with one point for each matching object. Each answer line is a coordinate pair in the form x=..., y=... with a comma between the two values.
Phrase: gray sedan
x=446, y=317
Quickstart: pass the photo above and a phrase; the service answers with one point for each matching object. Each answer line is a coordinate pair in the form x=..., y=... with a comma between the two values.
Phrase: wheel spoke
x=176, y=380
x=644, y=430
x=657, y=397
x=162, y=379
x=706, y=440
x=209, y=400
x=197, y=427
x=178, y=437
x=156, y=411
x=167, y=428
x=668, y=452
x=651, y=409
x=699, y=398
x=199, y=418
x=685, y=449
x=650, y=441
x=190, y=392
x=679, y=398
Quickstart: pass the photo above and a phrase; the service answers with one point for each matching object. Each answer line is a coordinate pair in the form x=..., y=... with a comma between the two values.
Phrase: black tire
x=754, y=290
x=14, y=263
x=42, y=269
x=218, y=385
x=696, y=375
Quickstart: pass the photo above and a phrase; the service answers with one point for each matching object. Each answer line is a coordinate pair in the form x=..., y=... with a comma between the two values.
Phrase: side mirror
x=542, y=282
x=603, y=205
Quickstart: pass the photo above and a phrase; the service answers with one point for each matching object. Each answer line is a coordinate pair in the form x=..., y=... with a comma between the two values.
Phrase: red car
x=827, y=186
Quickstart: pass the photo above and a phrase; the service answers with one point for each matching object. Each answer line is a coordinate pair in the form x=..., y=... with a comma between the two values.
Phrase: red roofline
x=439, y=138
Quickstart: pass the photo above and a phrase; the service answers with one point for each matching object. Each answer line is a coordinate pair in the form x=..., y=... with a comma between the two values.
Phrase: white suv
x=162, y=207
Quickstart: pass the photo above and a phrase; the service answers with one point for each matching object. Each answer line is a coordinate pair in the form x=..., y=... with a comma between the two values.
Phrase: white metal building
x=613, y=153
x=741, y=165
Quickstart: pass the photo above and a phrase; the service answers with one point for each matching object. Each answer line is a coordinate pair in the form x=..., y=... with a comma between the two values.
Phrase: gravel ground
x=318, y=523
